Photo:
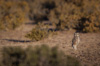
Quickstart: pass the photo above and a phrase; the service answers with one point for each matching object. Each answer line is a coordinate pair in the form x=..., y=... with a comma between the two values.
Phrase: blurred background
x=81, y=15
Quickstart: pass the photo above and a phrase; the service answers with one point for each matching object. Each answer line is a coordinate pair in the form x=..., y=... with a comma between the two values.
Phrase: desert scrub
x=91, y=27
x=12, y=15
x=11, y=21
x=64, y=14
x=65, y=17
x=37, y=56
x=67, y=22
x=40, y=32
x=37, y=34
x=89, y=24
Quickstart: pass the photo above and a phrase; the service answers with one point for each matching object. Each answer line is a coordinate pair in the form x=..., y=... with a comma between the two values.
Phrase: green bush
x=39, y=56
x=41, y=31
x=37, y=34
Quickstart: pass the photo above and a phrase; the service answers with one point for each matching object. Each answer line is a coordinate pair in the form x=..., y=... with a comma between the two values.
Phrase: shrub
x=37, y=11
x=39, y=56
x=12, y=21
x=41, y=31
x=12, y=56
x=37, y=34
x=91, y=27
x=11, y=16
x=89, y=24
x=65, y=17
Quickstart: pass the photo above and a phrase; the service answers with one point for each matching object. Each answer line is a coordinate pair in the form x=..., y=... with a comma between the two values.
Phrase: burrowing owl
x=75, y=40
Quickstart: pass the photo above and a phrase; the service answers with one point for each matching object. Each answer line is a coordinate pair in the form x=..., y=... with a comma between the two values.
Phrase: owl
x=76, y=40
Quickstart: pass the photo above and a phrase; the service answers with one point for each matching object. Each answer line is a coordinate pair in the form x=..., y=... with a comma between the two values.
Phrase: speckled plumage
x=75, y=40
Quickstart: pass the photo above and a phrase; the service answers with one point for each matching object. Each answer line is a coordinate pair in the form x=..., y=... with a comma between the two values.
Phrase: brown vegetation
x=65, y=14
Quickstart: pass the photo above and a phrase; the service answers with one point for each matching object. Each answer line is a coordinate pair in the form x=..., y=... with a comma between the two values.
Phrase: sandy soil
x=88, y=50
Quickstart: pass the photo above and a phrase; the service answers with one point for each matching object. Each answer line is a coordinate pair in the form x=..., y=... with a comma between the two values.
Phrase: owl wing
x=74, y=41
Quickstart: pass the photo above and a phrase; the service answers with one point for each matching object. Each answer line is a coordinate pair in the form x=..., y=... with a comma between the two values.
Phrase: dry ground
x=88, y=50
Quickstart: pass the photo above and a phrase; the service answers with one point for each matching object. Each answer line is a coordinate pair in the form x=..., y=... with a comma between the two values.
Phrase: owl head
x=76, y=34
